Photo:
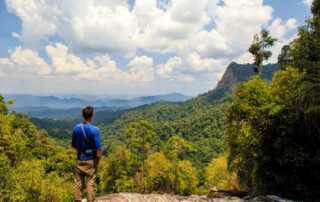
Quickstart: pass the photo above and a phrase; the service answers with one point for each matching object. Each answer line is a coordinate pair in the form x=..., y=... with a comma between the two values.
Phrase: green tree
x=3, y=106
x=4, y=178
x=33, y=166
x=29, y=182
x=140, y=137
x=307, y=58
x=159, y=175
x=246, y=119
x=177, y=149
x=117, y=171
x=186, y=178
x=259, y=48
x=218, y=175
x=285, y=58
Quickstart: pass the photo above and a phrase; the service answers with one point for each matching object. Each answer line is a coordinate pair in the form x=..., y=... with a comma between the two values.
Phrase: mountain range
x=68, y=107
x=58, y=107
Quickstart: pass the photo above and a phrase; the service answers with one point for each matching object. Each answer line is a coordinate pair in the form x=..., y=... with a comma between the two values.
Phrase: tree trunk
x=257, y=70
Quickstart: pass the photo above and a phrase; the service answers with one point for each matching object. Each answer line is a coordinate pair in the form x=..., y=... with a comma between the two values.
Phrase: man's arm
x=98, y=143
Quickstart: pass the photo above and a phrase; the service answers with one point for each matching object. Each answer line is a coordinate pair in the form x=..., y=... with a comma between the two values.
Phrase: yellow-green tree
x=117, y=171
x=218, y=175
x=159, y=175
x=177, y=149
x=140, y=137
x=186, y=179
x=33, y=167
x=3, y=106
x=29, y=182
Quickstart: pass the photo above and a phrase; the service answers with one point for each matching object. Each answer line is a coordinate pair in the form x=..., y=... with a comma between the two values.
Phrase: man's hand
x=99, y=153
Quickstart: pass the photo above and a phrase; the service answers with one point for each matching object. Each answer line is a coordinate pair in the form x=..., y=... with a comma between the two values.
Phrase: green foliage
x=159, y=175
x=3, y=106
x=178, y=148
x=259, y=48
x=140, y=137
x=32, y=166
x=272, y=142
x=186, y=178
x=197, y=121
x=218, y=175
x=285, y=58
x=117, y=170
x=147, y=165
x=31, y=183
x=246, y=118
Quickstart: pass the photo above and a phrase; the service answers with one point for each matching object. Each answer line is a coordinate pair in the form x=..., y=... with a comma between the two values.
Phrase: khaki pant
x=85, y=169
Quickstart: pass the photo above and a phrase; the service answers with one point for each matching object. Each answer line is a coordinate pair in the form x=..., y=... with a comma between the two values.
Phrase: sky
x=135, y=47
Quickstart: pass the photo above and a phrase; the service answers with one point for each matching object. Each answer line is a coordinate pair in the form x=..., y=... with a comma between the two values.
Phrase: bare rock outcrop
x=133, y=197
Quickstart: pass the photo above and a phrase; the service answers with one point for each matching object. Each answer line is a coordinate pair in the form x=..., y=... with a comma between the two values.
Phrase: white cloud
x=284, y=32
x=206, y=65
x=64, y=64
x=237, y=21
x=90, y=25
x=166, y=70
x=308, y=2
x=280, y=29
x=156, y=26
x=37, y=17
x=24, y=62
x=166, y=31
x=141, y=69
x=197, y=38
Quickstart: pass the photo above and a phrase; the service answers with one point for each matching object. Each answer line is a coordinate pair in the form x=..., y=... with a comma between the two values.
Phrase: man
x=86, y=140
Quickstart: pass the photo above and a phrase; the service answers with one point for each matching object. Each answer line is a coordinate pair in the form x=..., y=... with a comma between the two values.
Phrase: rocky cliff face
x=236, y=73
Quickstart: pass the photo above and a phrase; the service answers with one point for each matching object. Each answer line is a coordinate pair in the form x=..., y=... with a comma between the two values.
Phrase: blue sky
x=133, y=48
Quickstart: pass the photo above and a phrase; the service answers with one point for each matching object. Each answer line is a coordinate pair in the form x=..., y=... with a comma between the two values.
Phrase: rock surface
x=133, y=197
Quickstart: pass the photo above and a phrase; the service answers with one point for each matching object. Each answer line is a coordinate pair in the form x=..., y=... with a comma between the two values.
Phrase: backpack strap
x=86, y=139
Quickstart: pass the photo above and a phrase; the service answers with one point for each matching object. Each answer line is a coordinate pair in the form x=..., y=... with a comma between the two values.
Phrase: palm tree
x=261, y=42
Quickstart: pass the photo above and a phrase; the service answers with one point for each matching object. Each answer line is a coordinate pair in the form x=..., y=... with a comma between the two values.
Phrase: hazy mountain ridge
x=59, y=107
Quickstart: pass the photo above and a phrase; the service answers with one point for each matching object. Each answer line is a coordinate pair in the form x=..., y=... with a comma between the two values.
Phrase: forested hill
x=235, y=73
x=199, y=121
x=186, y=144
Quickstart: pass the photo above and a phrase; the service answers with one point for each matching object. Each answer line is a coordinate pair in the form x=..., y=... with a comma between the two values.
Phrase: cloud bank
x=156, y=45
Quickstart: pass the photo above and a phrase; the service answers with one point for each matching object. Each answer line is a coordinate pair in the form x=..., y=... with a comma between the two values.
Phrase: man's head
x=88, y=113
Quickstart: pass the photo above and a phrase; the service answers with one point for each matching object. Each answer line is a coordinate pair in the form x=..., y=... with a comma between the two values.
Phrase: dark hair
x=87, y=112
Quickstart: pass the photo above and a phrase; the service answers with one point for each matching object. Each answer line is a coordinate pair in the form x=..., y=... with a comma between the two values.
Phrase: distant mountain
x=237, y=73
x=189, y=119
x=35, y=101
x=173, y=97
x=60, y=107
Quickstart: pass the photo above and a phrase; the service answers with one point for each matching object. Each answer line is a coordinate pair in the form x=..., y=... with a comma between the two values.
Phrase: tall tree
x=259, y=48
x=141, y=137
x=306, y=54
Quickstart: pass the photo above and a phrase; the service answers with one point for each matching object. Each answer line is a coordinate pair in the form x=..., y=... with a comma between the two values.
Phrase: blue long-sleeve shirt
x=86, y=148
